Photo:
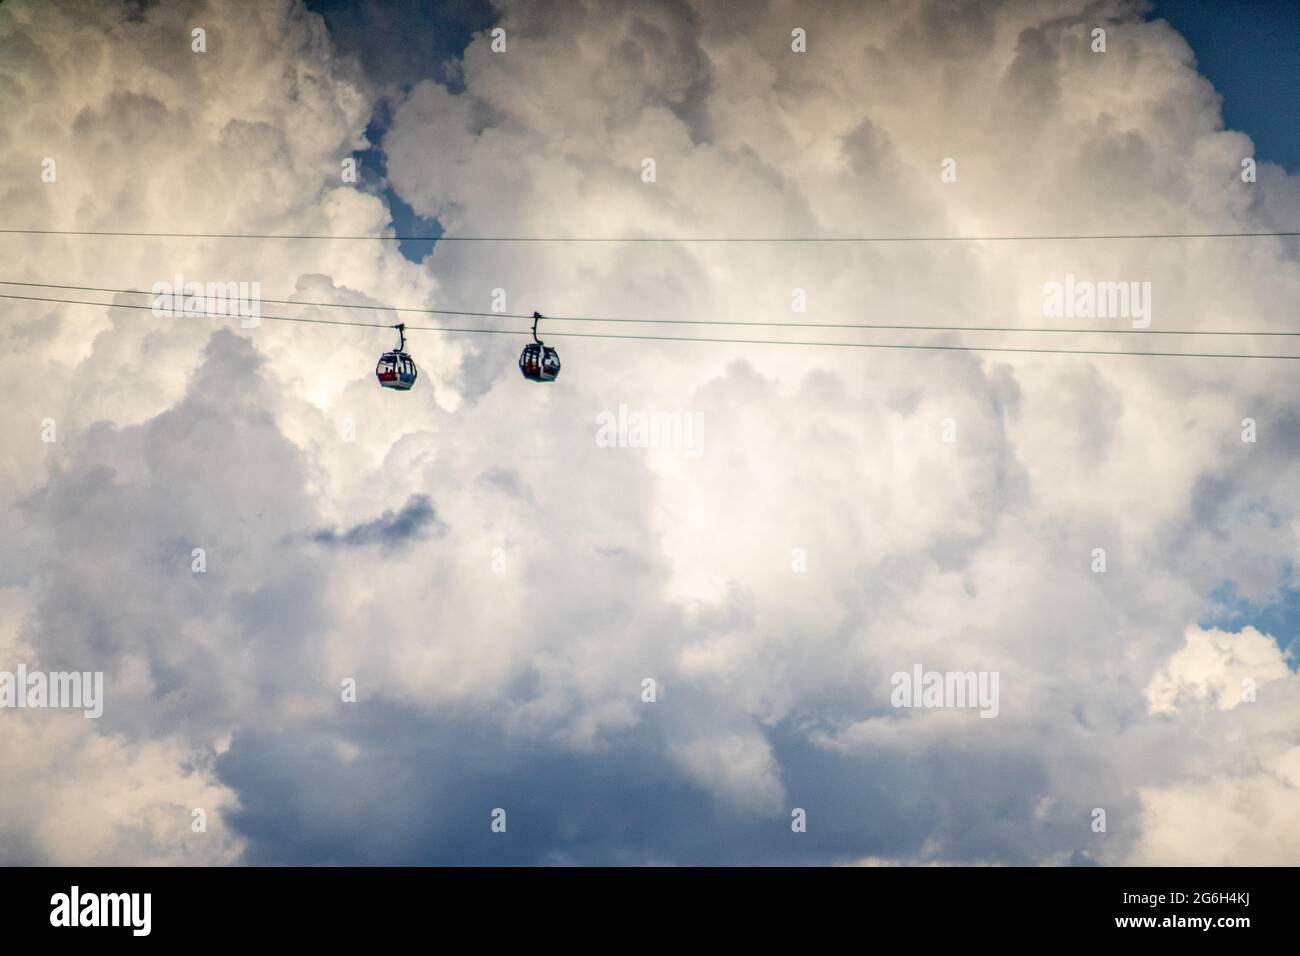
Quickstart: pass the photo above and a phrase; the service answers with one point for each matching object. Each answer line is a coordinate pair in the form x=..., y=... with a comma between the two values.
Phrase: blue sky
x=399, y=45
x=1281, y=618
x=1250, y=51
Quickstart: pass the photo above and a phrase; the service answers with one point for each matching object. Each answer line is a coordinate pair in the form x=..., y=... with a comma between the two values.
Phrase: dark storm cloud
x=415, y=519
x=422, y=787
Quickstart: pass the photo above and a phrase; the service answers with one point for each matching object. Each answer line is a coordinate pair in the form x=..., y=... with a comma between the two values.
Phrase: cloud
x=1231, y=801
x=1217, y=669
x=416, y=518
x=854, y=512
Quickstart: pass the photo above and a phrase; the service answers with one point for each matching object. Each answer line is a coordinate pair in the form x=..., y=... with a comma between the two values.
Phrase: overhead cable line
x=1263, y=234
x=675, y=338
x=1055, y=330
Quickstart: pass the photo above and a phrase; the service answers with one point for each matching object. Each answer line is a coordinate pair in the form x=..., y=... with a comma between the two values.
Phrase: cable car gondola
x=396, y=369
x=539, y=362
